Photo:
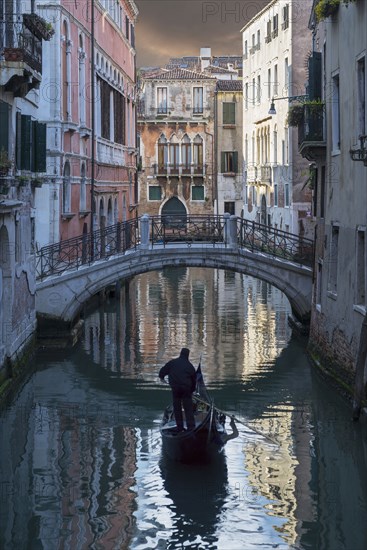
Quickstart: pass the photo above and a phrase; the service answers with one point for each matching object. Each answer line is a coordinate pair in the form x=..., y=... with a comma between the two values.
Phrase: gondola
x=208, y=437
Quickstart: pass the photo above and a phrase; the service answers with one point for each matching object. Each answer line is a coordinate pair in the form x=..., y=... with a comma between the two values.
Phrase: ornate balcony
x=311, y=139
x=21, y=52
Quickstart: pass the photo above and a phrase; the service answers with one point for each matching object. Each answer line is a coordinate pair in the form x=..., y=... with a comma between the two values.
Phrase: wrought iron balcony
x=311, y=138
x=21, y=54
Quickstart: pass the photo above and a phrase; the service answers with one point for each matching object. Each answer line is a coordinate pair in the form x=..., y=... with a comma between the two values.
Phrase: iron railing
x=171, y=229
x=263, y=238
x=86, y=249
x=19, y=43
x=186, y=229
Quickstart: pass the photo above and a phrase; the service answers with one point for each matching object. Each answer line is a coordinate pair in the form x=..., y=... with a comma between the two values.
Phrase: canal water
x=81, y=460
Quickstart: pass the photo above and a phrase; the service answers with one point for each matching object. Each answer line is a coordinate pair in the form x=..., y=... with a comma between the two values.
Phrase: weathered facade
x=22, y=170
x=229, y=150
x=334, y=143
x=82, y=149
x=176, y=130
x=275, y=49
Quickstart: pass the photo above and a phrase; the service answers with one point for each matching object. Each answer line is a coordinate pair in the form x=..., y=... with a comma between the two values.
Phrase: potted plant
x=22, y=180
x=5, y=163
x=39, y=26
x=295, y=115
x=37, y=182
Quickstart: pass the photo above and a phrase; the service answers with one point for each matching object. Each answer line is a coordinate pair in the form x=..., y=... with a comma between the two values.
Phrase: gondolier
x=182, y=379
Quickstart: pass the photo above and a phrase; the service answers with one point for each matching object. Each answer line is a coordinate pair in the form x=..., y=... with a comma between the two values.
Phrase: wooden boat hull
x=197, y=445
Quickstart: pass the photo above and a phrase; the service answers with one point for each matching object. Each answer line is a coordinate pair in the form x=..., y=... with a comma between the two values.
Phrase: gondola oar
x=236, y=419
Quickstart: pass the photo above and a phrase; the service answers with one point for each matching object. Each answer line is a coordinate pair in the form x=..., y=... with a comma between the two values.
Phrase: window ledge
x=229, y=126
x=335, y=152
x=318, y=308
x=83, y=213
x=229, y=174
x=67, y=216
x=331, y=294
x=359, y=309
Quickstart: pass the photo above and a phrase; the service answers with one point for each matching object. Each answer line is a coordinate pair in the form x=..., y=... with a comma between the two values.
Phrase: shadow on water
x=198, y=493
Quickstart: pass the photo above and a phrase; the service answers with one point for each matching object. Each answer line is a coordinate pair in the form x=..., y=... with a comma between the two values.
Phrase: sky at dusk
x=170, y=28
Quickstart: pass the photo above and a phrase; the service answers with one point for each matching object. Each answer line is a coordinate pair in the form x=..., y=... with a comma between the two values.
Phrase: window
x=173, y=155
x=66, y=189
x=258, y=40
x=155, y=193
x=127, y=27
x=258, y=96
x=335, y=114
x=286, y=143
x=275, y=89
x=246, y=95
x=286, y=77
x=269, y=83
x=286, y=194
x=198, y=153
x=81, y=89
x=322, y=192
x=254, y=196
x=162, y=104
x=361, y=96
x=229, y=113
x=246, y=149
x=229, y=162
x=275, y=26
x=275, y=194
x=4, y=126
x=186, y=154
x=360, y=298
x=229, y=208
x=30, y=144
x=268, y=32
x=83, y=201
x=198, y=100
x=333, y=263
x=162, y=154
x=275, y=146
x=246, y=50
x=246, y=195
x=197, y=192
x=253, y=91
x=285, y=23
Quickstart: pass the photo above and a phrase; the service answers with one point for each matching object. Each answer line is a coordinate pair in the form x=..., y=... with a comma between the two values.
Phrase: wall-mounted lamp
x=361, y=153
x=300, y=98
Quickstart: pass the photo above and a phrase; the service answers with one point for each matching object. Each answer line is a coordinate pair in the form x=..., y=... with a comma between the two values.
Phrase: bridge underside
x=61, y=298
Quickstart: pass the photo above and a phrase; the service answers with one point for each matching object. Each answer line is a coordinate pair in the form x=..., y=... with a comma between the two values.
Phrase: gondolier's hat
x=185, y=352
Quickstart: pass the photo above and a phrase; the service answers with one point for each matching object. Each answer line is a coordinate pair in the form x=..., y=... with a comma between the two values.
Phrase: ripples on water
x=81, y=463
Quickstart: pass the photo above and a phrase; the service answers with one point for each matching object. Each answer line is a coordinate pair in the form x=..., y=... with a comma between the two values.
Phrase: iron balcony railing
x=86, y=249
x=312, y=127
x=19, y=43
x=167, y=230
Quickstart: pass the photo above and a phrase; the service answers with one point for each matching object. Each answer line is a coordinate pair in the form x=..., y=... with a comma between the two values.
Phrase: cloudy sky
x=169, y=28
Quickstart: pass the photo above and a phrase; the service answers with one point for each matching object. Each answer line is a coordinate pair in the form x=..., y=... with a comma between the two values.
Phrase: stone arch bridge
x=69, y=273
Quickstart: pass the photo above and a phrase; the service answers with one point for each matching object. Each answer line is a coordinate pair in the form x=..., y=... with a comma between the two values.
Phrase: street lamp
x=300, y=98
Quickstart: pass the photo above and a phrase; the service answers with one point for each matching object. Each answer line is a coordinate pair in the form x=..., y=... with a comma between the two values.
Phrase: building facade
x=176, y=130
x=336, y=144
x=275, y=49
x=89, y=151
x=22, y=171
x=229, y=150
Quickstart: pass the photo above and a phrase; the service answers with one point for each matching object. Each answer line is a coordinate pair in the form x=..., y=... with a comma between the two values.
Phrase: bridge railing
x=86, y=249
x=186, y=229
x=263, y=238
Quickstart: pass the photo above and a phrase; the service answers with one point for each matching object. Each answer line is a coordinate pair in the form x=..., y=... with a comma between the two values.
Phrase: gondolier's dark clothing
x=182, y=379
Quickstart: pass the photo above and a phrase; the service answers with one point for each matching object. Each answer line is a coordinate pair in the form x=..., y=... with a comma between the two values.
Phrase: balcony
x=265, y=174
x=311, y=138
x=21, y=53
x=178, y=170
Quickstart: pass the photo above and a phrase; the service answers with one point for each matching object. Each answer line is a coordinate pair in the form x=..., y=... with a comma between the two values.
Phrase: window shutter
x=235, y=161
x=229, y=113
x=223, y=163
x=4, y=126
x=18, y=148
x=315, y=78
x=39, y=147
x=26, y=142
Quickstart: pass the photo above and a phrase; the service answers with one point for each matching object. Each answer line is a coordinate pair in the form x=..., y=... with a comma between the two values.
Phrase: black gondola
x=209, y=434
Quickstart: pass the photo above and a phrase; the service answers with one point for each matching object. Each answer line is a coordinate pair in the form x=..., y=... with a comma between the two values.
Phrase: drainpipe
x=215, y=171
x=213, y=153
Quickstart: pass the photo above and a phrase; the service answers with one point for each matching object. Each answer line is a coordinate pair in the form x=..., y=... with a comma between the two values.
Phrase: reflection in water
x=81, y=462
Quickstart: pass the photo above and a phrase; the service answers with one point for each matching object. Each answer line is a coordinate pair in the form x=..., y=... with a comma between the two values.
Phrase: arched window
x=174, y=153
x=81, y=81
x=162, y=154
x=275, y=145
x=66, y=73
x=83, y=193
x=115, y=212
x=186, y=154
x=66, y=189
x=198, y=155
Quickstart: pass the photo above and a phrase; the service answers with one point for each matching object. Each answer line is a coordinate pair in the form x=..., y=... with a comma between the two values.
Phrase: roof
x=230, y=85
x=179, y=74
x=219, y=70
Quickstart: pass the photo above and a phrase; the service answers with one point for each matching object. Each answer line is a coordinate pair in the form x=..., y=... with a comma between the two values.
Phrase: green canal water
x=81, y=463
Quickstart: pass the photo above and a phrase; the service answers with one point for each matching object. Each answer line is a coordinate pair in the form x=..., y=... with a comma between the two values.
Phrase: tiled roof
x=179, y=74
x=230, y=85
x=219, y=70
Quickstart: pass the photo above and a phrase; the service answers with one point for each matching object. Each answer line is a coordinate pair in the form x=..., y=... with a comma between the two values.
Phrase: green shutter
x=39, y=147
x=197, y=192
x=18, y=140
x=26, y=143
x=223, y=163
x=155, y=193
x=314, y=76
x=4, y=126
x=229, y=110
x=235, y=161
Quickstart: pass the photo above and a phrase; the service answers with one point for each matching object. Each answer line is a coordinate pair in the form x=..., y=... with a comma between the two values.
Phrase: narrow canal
x=81, y=462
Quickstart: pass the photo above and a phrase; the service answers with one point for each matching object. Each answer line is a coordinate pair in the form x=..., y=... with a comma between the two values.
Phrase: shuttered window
x=229, y=162
x=155, y=192
x=31, y=137
x=197, y=192
x=229, y=113
x=4, y=126
x=39, y=158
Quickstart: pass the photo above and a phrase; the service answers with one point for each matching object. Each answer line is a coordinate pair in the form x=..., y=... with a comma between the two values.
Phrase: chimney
x=205, y=58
